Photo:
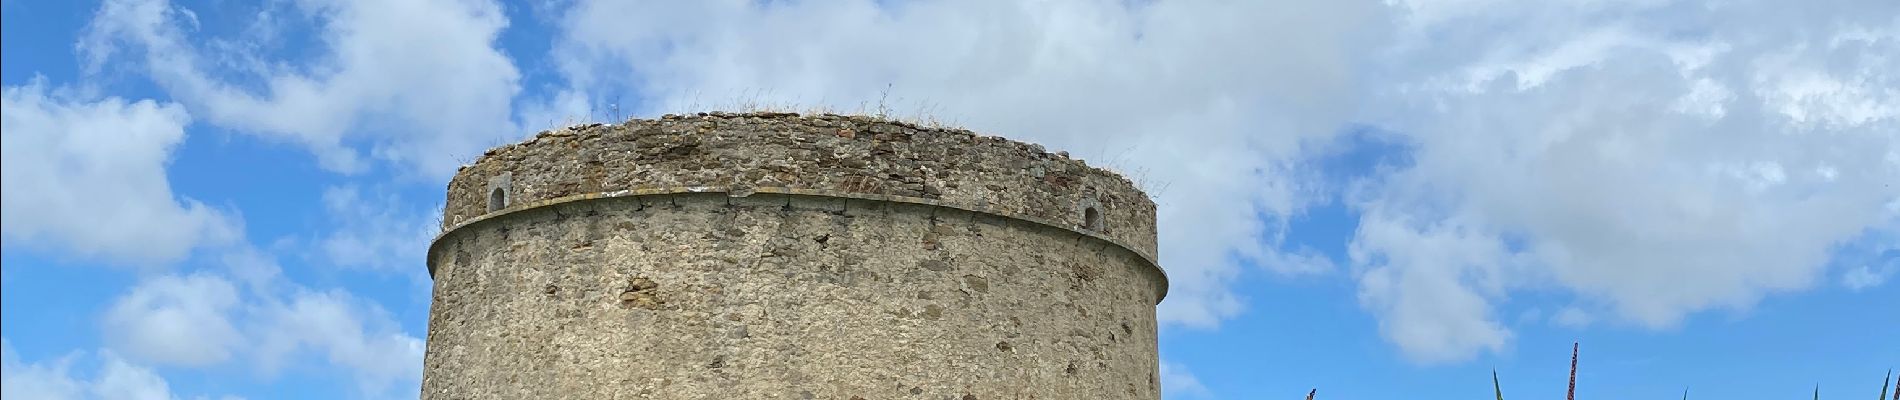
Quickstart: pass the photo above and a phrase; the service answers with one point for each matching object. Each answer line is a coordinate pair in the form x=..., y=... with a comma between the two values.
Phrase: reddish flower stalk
x=1572, y=394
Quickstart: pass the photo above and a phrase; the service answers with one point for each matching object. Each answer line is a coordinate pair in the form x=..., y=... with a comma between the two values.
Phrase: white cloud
x=265, y=322
x=1572, y=317
x=87, y=177
x=1431, y=285
x=355, y=335
x=377, y=233
x=418, y=81
x=180, y=320
x=123, y=380
x=116, y=379
x=1864, y=277
x=1572, y=146
x=20, y=380
x=1179, y=383
x=1581, y=147
x=284, y=321
x=1206, y=103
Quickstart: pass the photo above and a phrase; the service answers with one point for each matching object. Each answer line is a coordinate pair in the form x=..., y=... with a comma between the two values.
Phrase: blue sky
x=1378, y=199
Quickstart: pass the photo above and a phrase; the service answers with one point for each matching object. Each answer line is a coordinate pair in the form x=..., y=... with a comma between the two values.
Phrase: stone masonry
x=770, y=255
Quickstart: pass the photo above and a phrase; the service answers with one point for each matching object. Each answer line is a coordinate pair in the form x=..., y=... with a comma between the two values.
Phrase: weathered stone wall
x=780, y=256
x=705, y=296
x=825, y=152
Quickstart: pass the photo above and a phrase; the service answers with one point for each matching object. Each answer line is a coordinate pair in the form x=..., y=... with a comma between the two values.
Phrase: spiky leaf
x=1883, y=385
x=1896, y=390
x=1499, y=389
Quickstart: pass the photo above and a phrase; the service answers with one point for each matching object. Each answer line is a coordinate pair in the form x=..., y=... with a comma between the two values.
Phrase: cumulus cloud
x=1863, y=277
x=87, y=177
x=20, y=380
x=1449, y=273
x=418, y=82
x=1178, y=382
x=1653, y=158
x=116, y=379
x=1652, y=172
x=1572, y=317
x=1872, y=262
x=263, y=320
x=284, y=321
x=350, y=333
x=123, y=380
x=1207, y=104
x=181, y=320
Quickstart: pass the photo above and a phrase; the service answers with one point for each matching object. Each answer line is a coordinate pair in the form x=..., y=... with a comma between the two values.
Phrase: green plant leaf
x=1499, y=389
x=1883, y=385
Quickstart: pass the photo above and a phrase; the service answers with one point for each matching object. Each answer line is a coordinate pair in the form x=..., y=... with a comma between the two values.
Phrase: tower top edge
x=824, y=152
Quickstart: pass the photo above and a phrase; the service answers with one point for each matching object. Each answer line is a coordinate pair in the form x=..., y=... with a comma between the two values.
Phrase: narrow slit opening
x=1092, y=219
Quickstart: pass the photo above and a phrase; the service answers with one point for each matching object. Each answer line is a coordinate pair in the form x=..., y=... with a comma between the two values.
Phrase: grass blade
x=1495, y=387
x=1883, y=385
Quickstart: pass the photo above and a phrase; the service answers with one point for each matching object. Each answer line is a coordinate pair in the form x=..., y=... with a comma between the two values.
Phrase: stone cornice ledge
x=748, y=191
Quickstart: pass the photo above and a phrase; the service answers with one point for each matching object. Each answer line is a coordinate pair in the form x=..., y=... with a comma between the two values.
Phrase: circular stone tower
x=756, y=256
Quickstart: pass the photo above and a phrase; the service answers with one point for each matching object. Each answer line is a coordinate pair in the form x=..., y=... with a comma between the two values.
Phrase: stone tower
x=759, y=256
